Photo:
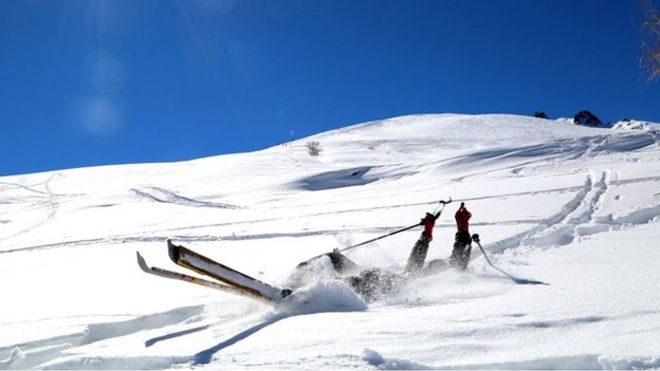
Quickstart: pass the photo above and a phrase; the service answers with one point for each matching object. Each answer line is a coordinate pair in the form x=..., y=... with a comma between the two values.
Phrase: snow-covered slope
x=574, y=207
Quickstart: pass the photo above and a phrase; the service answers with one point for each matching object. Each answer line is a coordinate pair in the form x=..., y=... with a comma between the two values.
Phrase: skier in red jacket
x=460, y=257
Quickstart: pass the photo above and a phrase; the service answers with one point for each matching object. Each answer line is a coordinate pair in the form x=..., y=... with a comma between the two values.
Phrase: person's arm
x=428, y=222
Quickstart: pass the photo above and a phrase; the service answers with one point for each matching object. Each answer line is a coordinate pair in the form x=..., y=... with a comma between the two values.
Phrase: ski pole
x=436, y=215
x=364, y=243
x=475, y=238
x=381, y=237
x=440, y=208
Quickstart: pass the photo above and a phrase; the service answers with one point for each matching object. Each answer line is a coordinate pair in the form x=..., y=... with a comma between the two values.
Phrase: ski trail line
x=527, y=236
x=162, y=195
x=48, y=201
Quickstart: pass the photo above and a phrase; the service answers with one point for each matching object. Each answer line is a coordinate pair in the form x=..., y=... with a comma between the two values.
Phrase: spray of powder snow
x=322, y=296
x=450, y=286
x=319, y=269
x=318, y=288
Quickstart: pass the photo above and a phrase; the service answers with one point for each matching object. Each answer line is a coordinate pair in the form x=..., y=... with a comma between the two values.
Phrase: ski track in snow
x=43, y=199
x=164, y=196
x=576, y=217
x=153, y=236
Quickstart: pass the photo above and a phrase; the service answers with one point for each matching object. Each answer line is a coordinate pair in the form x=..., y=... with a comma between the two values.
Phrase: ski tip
x=173, y=251
x=141, y=262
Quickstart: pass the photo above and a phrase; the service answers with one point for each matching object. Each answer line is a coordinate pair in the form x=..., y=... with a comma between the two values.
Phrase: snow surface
x=573, y=207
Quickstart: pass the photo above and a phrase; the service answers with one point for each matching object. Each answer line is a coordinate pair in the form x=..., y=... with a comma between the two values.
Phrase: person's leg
x=418, y=254
x=460, y=257
x=459, y=247
x=455, y=258
x=466, y=256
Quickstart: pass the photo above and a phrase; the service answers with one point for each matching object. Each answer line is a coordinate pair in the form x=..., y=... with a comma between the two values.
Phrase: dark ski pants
x=418, y=254
x=460, y=256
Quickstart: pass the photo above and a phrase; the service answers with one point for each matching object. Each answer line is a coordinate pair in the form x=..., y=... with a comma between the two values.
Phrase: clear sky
x=92, y=82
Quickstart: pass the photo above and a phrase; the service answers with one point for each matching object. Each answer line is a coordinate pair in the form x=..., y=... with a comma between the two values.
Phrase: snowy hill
x=574, y=207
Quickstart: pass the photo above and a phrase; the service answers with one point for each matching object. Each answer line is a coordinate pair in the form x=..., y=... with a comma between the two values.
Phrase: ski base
x=201, y=264
x=160, y=272
x=225, y=279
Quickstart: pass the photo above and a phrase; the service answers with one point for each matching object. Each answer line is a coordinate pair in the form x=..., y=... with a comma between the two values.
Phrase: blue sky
x=93, y=82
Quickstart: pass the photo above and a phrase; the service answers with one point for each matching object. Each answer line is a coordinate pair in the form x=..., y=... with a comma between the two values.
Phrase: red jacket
x=462, y=218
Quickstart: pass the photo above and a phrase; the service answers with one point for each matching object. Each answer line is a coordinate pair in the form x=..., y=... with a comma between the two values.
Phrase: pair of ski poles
x=436, y=215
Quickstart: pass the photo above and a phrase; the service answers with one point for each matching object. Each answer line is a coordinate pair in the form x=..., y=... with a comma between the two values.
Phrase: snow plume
x=315, y=269
x=318, y=288
x=450, y=287
x=323, y=296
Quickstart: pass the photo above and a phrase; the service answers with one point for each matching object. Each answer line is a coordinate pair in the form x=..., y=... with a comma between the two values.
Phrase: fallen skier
x=371, y=284
x=374, y=283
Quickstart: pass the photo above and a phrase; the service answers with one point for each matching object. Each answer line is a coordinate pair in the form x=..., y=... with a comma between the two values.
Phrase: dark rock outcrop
x=586, y=118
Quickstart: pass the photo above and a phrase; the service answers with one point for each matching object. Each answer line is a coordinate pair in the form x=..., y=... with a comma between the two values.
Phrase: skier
x=371, y=284
x=460, y=256
x=374, y=283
